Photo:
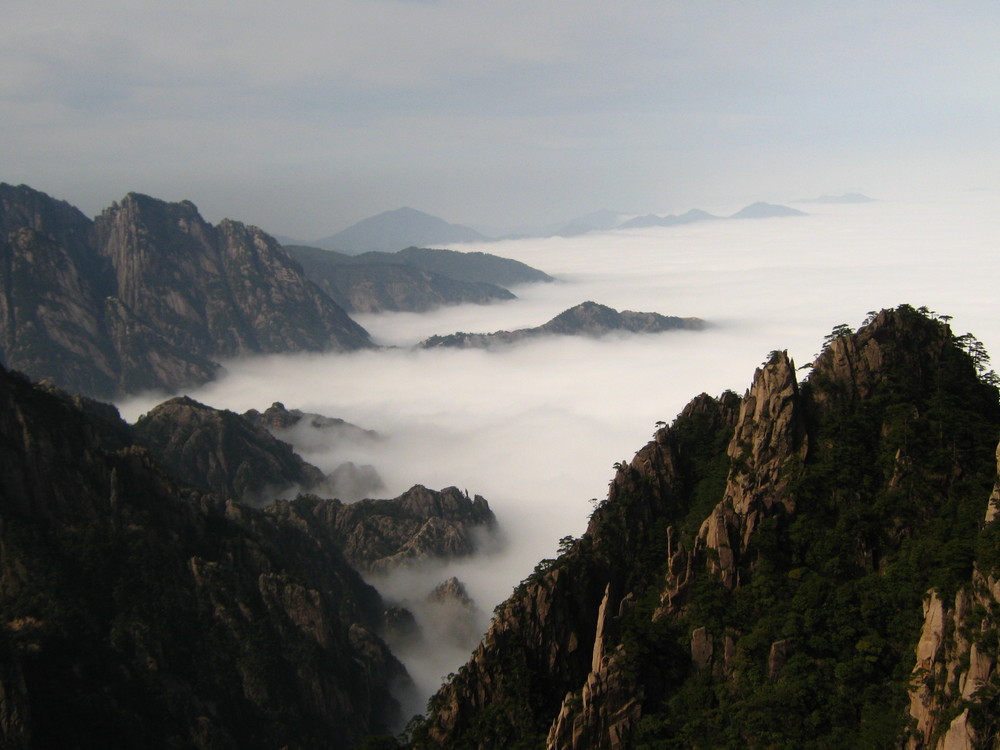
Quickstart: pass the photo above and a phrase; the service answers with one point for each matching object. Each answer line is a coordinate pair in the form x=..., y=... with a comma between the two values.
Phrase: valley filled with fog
x=536, y=427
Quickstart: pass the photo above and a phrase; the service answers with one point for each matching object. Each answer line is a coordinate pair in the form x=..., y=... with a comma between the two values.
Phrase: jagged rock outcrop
x=453, y=614
x=361, y=284
x=838, y=502
x=954, y=693
x=166, y=617
x=767, y=451
x=378, y=535
x=215, y=450
x=281, y=422
x=149, y=295
x=585, y=319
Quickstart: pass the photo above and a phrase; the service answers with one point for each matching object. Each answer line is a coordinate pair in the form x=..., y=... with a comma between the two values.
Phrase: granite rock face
x=379, y=535
x=755, y=576
x=149, y=295
x=219, y=451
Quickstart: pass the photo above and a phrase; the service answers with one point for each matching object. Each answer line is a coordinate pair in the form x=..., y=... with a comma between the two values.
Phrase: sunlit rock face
x=418, y=526
x=759, y=546
x=149, y=295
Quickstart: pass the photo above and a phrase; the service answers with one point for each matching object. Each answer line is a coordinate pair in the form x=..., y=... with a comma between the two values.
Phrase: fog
x=535, y=427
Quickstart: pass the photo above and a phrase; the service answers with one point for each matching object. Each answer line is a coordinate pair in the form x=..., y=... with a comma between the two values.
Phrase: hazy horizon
x=307, y=117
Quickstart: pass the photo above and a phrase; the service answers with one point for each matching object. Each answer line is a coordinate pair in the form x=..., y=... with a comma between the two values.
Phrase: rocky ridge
x=380, y=286
x=419, y=525
x=762, y=554
x=149, y=295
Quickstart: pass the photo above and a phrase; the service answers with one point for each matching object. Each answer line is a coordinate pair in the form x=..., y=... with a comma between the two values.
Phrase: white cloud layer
x=535, y=428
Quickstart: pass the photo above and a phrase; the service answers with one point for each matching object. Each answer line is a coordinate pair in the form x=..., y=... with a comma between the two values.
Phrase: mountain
x=219, y=451
x=596, y=221
x=652, y=220
x=761, y=210
x=148, y=295
x=142, y=602
x=418, y=526
x=585, y=319
x=754, y=211
x=812, y=565
x=392, y=230
x=162, y=616
x=472, y=267
x=363, y=284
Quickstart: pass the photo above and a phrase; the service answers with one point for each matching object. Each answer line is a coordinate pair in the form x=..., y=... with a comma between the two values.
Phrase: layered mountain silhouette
x=406, y=227
x=758, y=210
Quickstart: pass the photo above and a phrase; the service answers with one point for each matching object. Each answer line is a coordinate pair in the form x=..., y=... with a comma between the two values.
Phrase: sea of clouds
x=536, y=427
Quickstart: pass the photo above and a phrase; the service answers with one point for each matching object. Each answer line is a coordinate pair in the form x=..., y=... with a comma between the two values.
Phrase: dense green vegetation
x=815, y=645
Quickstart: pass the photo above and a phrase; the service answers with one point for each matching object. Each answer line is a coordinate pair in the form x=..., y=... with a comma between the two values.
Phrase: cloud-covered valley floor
x=536, y=427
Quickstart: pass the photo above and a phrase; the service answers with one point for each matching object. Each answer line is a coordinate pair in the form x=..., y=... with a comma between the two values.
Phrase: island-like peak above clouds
x=759, y=210
x=394, y=230
x=585, y=319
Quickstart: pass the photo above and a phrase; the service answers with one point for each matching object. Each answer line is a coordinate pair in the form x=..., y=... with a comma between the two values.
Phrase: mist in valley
x=536, y=427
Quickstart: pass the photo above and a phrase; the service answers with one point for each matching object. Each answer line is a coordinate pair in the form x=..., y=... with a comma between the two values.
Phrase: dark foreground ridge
x=813, y=565
x=143, y=610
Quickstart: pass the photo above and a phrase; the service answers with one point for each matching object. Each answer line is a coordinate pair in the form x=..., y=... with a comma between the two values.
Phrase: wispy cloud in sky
x=307, y=116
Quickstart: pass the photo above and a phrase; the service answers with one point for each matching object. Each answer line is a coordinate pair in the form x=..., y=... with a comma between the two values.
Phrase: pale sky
x=306, y=116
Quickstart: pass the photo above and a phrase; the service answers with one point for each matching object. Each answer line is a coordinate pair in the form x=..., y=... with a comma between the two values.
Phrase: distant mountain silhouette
x=753, y=211
x=395, y=230
x=596, y=221
x=761, y=210
x=652, y=220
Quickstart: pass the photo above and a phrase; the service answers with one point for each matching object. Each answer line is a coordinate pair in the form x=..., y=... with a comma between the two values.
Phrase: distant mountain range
x=150, y=296
x=407, y=227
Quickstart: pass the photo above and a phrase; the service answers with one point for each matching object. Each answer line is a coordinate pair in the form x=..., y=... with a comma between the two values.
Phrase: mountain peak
x=396, y=229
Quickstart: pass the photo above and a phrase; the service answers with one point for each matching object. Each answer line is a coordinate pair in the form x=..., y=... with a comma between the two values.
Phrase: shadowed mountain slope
x=371, y=283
